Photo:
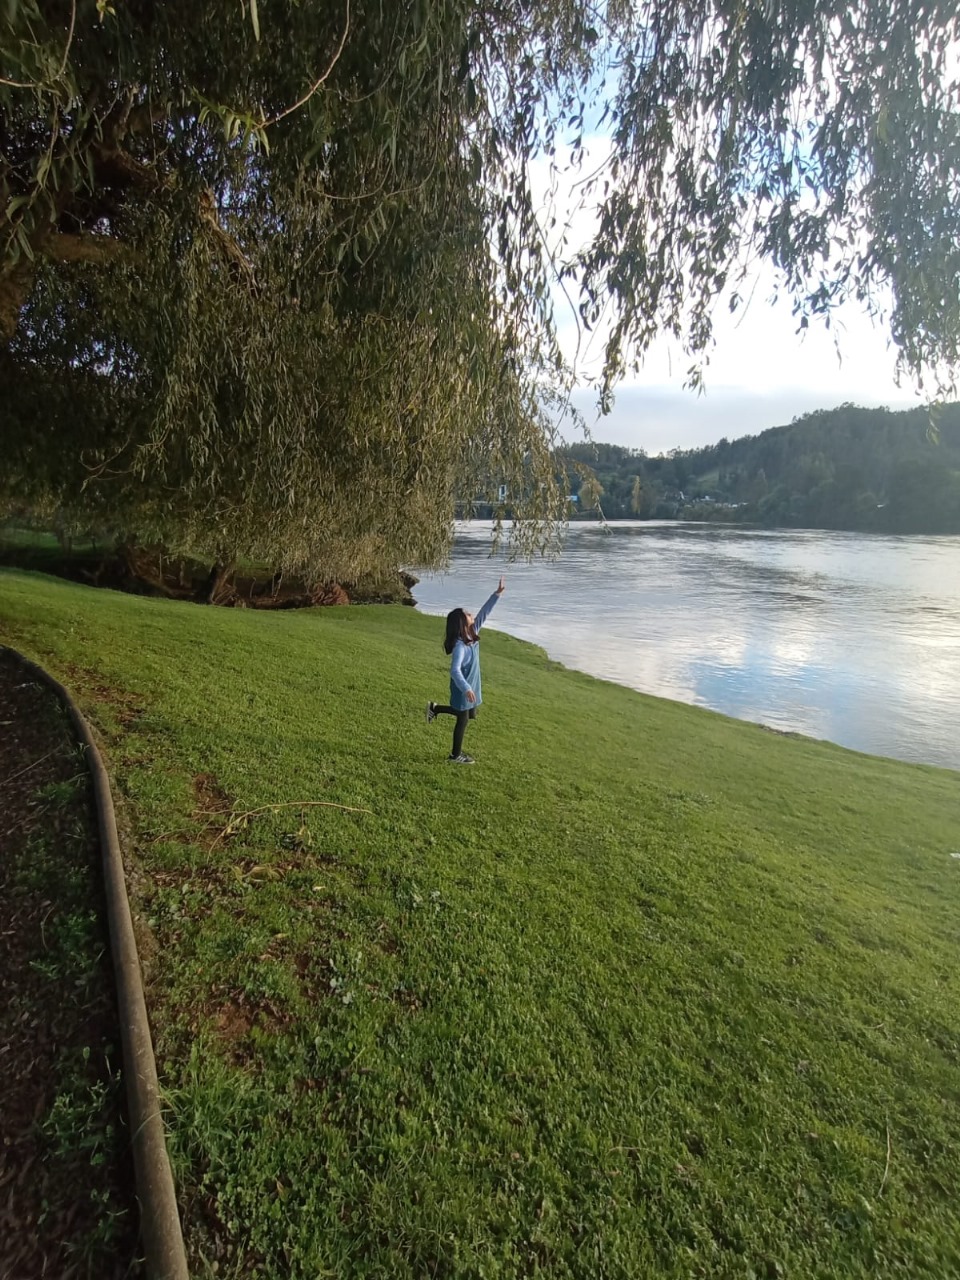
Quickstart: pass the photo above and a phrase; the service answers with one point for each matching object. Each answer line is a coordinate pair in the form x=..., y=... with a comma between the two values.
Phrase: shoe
x=462, y=758
x=431, y=712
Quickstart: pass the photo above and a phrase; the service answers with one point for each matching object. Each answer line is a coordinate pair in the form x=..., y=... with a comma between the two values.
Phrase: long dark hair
x=457, y=629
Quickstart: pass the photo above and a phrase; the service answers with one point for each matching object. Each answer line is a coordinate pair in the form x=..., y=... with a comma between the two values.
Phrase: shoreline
x=753, y=629
x=698, y=706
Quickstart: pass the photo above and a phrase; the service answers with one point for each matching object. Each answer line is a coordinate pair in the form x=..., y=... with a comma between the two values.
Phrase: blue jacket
x=465, y=664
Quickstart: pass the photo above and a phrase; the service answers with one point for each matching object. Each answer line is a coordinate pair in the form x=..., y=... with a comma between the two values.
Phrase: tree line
x=845, y=468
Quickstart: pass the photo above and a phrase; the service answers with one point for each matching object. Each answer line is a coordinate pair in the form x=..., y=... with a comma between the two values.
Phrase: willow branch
x=33, y=84
x=886, y=1169
x=228, y=245
x=13, y=777
x=239, y=819
x=15, y=286
x=297, y=804
x=316, y=85
x=85, y=247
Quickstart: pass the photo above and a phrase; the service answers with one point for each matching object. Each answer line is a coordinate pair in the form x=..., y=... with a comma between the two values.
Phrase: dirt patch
x=209, y=795
x=86, y=683
x=212, y=810
x=233, y=1023
x=66, y=1182
x=237, y=1018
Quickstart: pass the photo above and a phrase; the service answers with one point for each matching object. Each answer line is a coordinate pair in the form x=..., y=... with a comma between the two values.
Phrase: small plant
x=59, y=794
x=75, y=1122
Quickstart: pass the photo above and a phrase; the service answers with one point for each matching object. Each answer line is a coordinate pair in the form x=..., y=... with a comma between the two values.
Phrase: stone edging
x=159, y=1220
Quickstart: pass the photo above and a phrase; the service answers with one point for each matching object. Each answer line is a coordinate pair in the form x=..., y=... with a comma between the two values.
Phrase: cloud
x=761, y=373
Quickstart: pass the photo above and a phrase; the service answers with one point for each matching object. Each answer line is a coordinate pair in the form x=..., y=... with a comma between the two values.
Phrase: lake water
x=850, y=637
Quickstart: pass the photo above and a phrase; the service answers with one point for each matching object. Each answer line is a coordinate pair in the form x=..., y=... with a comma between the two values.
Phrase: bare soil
x=67, y=1207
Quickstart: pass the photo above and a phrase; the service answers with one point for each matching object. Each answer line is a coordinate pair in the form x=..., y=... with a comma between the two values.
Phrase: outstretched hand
x=501, y=588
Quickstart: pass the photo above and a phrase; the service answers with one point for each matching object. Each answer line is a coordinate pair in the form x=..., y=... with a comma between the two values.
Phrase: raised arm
x=484, y=613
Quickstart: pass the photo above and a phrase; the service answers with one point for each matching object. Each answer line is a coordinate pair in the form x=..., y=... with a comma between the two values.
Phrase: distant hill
x=845, y=468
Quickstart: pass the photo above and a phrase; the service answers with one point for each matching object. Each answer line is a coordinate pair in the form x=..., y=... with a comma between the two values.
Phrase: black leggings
x=460, y=728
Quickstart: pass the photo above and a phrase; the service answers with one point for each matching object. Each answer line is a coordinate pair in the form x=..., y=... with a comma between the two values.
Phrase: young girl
x=462, y=642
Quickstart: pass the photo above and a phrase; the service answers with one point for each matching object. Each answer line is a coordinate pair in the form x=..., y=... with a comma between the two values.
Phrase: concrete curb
x=159, y=1219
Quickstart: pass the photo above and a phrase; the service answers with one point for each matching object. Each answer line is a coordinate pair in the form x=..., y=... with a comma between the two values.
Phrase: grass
x=15, y=537
x=647, y=992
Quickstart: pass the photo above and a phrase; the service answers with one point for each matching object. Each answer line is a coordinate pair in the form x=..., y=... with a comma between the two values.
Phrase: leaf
x=263, y=872
x=24, y=242
x=255, y=20
x=43, y=168
x=15, y=203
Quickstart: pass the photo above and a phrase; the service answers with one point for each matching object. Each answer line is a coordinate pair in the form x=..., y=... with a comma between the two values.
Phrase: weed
x=60, y=794
x=80, y=1130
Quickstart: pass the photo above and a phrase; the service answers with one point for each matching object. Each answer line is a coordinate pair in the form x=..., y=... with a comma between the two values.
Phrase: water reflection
x=842, y=636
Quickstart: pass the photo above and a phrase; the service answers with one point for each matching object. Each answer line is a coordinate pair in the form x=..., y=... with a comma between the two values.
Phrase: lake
x=850, y=637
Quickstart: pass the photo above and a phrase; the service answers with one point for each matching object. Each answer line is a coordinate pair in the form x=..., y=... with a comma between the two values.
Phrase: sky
x=761, y=374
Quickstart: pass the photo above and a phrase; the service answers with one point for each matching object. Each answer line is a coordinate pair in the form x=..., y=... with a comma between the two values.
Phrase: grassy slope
x=646, y=992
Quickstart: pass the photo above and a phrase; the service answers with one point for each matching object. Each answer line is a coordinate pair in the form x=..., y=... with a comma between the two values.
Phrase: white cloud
x=761, y=373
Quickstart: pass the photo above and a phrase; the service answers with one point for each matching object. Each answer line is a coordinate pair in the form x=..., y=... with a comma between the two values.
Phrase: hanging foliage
x=274, y=282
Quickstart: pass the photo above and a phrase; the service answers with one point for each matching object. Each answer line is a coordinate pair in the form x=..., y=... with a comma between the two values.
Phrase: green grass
x=15, y=537
x=647, y=992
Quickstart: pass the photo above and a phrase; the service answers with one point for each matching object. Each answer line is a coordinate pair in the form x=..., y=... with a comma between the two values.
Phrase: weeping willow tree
x=274, y=280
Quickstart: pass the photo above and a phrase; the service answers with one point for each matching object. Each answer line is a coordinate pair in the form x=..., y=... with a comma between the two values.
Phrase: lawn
x=646, y=992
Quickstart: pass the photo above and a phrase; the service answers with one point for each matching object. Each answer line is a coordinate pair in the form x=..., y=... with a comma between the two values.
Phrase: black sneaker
x=431, y=712
x=462, y=758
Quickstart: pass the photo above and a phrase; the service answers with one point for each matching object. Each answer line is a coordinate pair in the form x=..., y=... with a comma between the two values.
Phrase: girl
x=462, y=642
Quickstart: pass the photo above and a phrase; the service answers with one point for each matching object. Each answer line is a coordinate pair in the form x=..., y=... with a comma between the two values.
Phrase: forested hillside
x=844, y=468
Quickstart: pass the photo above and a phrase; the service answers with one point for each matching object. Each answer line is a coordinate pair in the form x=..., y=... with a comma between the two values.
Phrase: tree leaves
x=331, y=308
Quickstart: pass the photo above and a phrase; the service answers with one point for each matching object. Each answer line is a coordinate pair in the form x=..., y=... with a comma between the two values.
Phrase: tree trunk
x=219, y=586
